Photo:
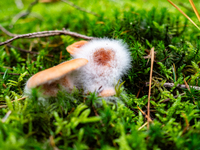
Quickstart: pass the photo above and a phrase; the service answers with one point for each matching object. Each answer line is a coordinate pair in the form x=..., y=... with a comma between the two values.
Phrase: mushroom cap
x=107, y=93
x=72, y=49
x=56, y=72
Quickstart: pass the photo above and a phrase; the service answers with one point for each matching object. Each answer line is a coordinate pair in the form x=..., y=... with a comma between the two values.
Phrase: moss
x=78, y=121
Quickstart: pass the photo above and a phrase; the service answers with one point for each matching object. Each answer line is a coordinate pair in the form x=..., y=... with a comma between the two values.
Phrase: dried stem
x=142, y=126
x=187, y=86
x=4, y=106
x=47, y=33
x=149, y=94
x=148, y=118
x=186, y=122
x=79, y=8
x=52, y=142
x=20, y=99
x=24, y=14
x=178, y=85
x=195, y=10
x=183, y=14
x=7, y=32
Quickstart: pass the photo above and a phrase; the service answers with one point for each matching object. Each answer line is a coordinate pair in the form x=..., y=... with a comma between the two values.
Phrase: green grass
x=77, y=121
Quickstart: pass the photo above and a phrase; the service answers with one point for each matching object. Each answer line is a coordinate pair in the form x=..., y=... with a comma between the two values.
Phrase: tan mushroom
x=50, y=78
x=107, y=93
x=72, y=49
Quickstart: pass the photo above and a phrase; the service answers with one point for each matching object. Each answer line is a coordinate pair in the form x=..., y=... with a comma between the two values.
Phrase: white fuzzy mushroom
x=96, y=66
x=108, y=61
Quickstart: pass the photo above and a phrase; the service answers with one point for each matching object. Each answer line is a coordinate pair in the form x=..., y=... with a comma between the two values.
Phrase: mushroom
x=74, y=48
x=50, y=78
x=96, y=66
x=108, y=60
x=107, y=93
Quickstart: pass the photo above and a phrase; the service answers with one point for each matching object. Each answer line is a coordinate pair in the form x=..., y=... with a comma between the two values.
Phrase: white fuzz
x=108, y=60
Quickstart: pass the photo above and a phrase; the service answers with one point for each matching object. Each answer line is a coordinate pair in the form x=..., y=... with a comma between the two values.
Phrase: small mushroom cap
x=54, y=73
x=107, y=93
x=72, y=49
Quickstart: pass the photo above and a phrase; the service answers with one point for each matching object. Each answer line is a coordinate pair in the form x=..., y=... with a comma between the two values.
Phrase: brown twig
x=7, y=32
x=187, y=86
x=24, y=14
x=183, y=14
x=4, y=106
x=178, y=85
x=52, y=143
x=142, y=126
x=20, y=99
x=195, y=9
x=79, y=8
x=148, y=118
x=4, y=85
x=150, y=79
x=47, y=33
x=186, y=122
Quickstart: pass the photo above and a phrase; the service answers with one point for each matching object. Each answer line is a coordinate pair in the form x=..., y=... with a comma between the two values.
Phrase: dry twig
x=150, y=79
x=7, y=32
x=194, y=8
x=178, y=85
x=4, y=106
x=187, y=86
x=52, y=143
x=183, y=14
x=47, y=33
x=148, y=118
x=24, y=14
x=79, y=8
x=186, y=122
x=142, y=126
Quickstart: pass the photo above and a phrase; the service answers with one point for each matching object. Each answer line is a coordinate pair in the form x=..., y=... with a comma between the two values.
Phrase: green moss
x=78, y=121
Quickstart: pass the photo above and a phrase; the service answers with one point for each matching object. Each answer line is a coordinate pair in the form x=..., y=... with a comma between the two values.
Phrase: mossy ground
x=77, y=121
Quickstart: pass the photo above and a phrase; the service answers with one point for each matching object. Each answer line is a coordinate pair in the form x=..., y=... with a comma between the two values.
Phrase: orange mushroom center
x=103, y=57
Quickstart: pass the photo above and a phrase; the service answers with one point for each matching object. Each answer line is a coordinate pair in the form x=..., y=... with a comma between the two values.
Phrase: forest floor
x=77, y=120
